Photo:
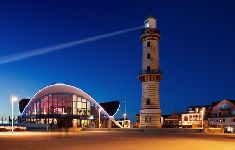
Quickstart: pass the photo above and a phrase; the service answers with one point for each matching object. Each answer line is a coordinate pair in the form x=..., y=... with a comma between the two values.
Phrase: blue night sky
x=196, y=50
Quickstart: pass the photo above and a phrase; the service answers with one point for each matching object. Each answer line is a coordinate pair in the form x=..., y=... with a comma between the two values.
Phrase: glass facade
x=62, y=109
x=60, y=103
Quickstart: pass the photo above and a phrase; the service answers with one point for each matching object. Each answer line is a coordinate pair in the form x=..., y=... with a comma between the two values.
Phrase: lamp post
x=124, y=115
x=13, y=98
x=124, y=119
x=100, y=109
x=202, y=111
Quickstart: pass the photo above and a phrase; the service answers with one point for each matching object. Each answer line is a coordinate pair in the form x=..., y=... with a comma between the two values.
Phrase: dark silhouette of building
x=22, y=104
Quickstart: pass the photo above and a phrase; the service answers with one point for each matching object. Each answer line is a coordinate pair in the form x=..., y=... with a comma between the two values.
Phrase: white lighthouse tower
x=150, y=113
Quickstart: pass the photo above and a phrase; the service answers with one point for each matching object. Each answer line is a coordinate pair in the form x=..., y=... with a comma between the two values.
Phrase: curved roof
x=22, y=104
x=111, y=107
x=64, y=88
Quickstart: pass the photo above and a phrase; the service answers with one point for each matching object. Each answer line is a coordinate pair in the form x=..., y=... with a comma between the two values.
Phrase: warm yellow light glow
x=202, y=111
x=14, y=98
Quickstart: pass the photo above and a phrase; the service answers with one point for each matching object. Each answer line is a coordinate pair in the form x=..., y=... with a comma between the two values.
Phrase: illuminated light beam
x=40, y=51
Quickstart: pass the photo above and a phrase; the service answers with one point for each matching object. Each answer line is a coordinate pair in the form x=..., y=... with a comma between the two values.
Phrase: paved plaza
x=113, y=141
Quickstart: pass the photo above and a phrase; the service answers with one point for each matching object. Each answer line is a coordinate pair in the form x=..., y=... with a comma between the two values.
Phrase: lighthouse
x=150, y=76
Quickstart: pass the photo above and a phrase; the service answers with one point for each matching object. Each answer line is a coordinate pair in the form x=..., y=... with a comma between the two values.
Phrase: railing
x=151, y=72
x=221, y=116
x=150, y=31
x=224, y=109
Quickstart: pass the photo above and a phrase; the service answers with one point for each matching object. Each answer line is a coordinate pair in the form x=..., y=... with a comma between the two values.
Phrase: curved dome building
x=65, y=105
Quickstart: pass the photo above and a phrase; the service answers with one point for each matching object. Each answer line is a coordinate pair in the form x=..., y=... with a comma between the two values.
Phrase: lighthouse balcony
x=150, y=34
x=150, y=72
x=150, y=75
x=150, y=31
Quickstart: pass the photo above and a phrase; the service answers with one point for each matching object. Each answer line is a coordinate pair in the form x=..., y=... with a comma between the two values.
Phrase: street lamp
x=202, y=111
x=124, y=115
x=13, y=98
x=100, y=109
x=124, y=119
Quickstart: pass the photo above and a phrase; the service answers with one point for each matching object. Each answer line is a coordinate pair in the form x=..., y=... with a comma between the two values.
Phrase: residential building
x=222, y=114
x=171, y=121
x=194, y=117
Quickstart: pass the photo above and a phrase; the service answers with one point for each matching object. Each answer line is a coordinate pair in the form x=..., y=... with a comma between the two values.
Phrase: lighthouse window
x=148, y=56
x=148, y=68
x=147, y=24
x=148, y=101
x=148, y=44
x=148, y=119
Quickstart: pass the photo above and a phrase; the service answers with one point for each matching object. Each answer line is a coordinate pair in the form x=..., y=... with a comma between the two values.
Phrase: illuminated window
x=45, y=105
x=38, y=107
x=54, y=105
x=34, y=108
x=148, y=56
x=50, y=107
x=147, y=24
x=88, y=108
x=41, y=106
x=60, y=104
x=185, y=118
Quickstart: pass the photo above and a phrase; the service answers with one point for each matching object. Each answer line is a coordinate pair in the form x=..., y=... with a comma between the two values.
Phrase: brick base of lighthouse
x=150, y=113
x=150, y=118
